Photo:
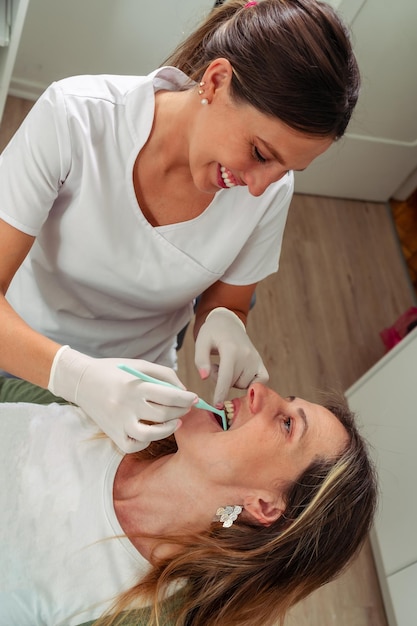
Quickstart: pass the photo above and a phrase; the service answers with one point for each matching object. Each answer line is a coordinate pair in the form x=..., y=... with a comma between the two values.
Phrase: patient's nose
x=259, y=394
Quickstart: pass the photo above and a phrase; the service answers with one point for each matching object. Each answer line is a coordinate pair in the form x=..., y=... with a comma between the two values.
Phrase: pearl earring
x=203, y=101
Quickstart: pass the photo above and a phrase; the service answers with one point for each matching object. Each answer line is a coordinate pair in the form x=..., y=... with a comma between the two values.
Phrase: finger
x=202, y=354
x=147, y=432
x=250, y=376
x=262, y=375
x=166, y=396
x=157, y=413
x=129, y=445
x=225, y=379
x=123, y=441
x=245, y=379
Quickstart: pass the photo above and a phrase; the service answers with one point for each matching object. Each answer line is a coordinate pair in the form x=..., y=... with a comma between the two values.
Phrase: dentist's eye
x=258, y=156
x=288, y=424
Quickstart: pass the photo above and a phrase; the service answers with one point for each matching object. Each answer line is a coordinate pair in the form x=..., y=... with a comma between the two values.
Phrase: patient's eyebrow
x=302, y=414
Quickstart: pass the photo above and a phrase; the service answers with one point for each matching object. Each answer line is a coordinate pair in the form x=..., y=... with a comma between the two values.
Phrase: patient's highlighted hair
x=250, y=574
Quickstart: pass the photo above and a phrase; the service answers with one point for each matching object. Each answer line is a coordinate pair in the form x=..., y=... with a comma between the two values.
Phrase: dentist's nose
x=258, y=179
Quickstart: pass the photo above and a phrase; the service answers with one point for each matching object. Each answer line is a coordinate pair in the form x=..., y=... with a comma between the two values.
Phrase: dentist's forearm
x=24, y=352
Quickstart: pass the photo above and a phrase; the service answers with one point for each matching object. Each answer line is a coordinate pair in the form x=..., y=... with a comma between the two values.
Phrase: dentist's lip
x=226, y=179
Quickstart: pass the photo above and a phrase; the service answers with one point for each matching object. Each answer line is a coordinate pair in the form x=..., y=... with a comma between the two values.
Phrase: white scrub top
x=99, y=277
x=63, y=554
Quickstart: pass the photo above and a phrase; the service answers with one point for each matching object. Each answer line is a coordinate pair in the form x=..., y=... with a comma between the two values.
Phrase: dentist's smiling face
x=270, y=438
x=235, y=144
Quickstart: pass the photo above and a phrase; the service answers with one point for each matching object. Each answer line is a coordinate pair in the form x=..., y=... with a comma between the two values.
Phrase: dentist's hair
x=251, y=574
x=291, y=59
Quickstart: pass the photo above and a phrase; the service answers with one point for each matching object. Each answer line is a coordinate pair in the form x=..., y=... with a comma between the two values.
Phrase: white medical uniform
x=99, y=277
x=63, y=557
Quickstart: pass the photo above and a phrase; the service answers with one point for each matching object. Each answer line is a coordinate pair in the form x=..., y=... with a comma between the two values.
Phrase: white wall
x=379, y=154
x=67, y=37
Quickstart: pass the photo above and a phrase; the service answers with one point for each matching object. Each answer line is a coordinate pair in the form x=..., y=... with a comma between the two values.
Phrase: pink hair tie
x=250, y=4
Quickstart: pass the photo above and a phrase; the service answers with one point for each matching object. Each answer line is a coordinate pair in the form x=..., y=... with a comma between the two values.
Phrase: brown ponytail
x=292, y=59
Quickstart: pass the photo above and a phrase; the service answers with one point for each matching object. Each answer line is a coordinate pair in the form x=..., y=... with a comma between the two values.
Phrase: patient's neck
x=160, y=497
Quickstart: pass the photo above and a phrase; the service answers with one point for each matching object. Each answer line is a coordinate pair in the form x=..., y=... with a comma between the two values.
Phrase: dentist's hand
x=224, y=333
x=117, y=401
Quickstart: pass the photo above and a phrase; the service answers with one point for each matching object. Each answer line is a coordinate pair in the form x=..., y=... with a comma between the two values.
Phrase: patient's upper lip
x=236, y=407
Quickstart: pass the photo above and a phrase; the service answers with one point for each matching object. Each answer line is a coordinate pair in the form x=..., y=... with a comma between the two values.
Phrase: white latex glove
x=116, y=400
x=224, y=333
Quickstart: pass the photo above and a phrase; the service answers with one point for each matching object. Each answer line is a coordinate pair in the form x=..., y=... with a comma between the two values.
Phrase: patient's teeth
x=229, y=409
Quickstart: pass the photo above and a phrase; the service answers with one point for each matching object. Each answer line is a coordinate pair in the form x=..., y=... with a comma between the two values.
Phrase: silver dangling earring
x=227, y=515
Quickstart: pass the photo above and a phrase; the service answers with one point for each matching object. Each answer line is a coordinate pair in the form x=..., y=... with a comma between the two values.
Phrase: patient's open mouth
x=218, y=419
x=230, y=412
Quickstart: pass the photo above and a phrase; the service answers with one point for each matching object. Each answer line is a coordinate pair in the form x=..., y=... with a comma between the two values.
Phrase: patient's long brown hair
x=250, y=574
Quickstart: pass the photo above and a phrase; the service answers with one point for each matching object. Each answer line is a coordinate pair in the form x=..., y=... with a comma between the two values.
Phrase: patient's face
x=270, y=438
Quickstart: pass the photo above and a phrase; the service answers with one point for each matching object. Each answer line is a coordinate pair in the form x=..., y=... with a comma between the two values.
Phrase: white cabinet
x=12, y=17
x=385, y=400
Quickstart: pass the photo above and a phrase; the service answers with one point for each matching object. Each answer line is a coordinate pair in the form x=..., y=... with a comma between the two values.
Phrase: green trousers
x=17, y=390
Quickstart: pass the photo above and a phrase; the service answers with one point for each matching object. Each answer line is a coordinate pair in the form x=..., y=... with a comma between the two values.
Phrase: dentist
x=125, y=198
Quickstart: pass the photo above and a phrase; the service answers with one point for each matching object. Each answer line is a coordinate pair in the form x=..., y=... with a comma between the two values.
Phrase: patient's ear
x=266, y=508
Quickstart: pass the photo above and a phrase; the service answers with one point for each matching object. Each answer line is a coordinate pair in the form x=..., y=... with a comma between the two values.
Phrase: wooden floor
x=342, y=279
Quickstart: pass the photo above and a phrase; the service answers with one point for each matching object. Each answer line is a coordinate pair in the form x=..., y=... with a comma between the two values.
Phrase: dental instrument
x=201, y=404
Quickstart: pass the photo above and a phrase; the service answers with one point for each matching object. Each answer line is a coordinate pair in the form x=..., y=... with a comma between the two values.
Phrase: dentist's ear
x=265, y=507
x=217, y=75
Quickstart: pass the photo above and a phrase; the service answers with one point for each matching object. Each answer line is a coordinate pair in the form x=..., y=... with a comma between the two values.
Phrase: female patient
x=240, y=524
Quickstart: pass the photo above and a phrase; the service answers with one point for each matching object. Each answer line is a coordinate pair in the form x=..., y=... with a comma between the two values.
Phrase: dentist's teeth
x=229, y=410
x=227, y=180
